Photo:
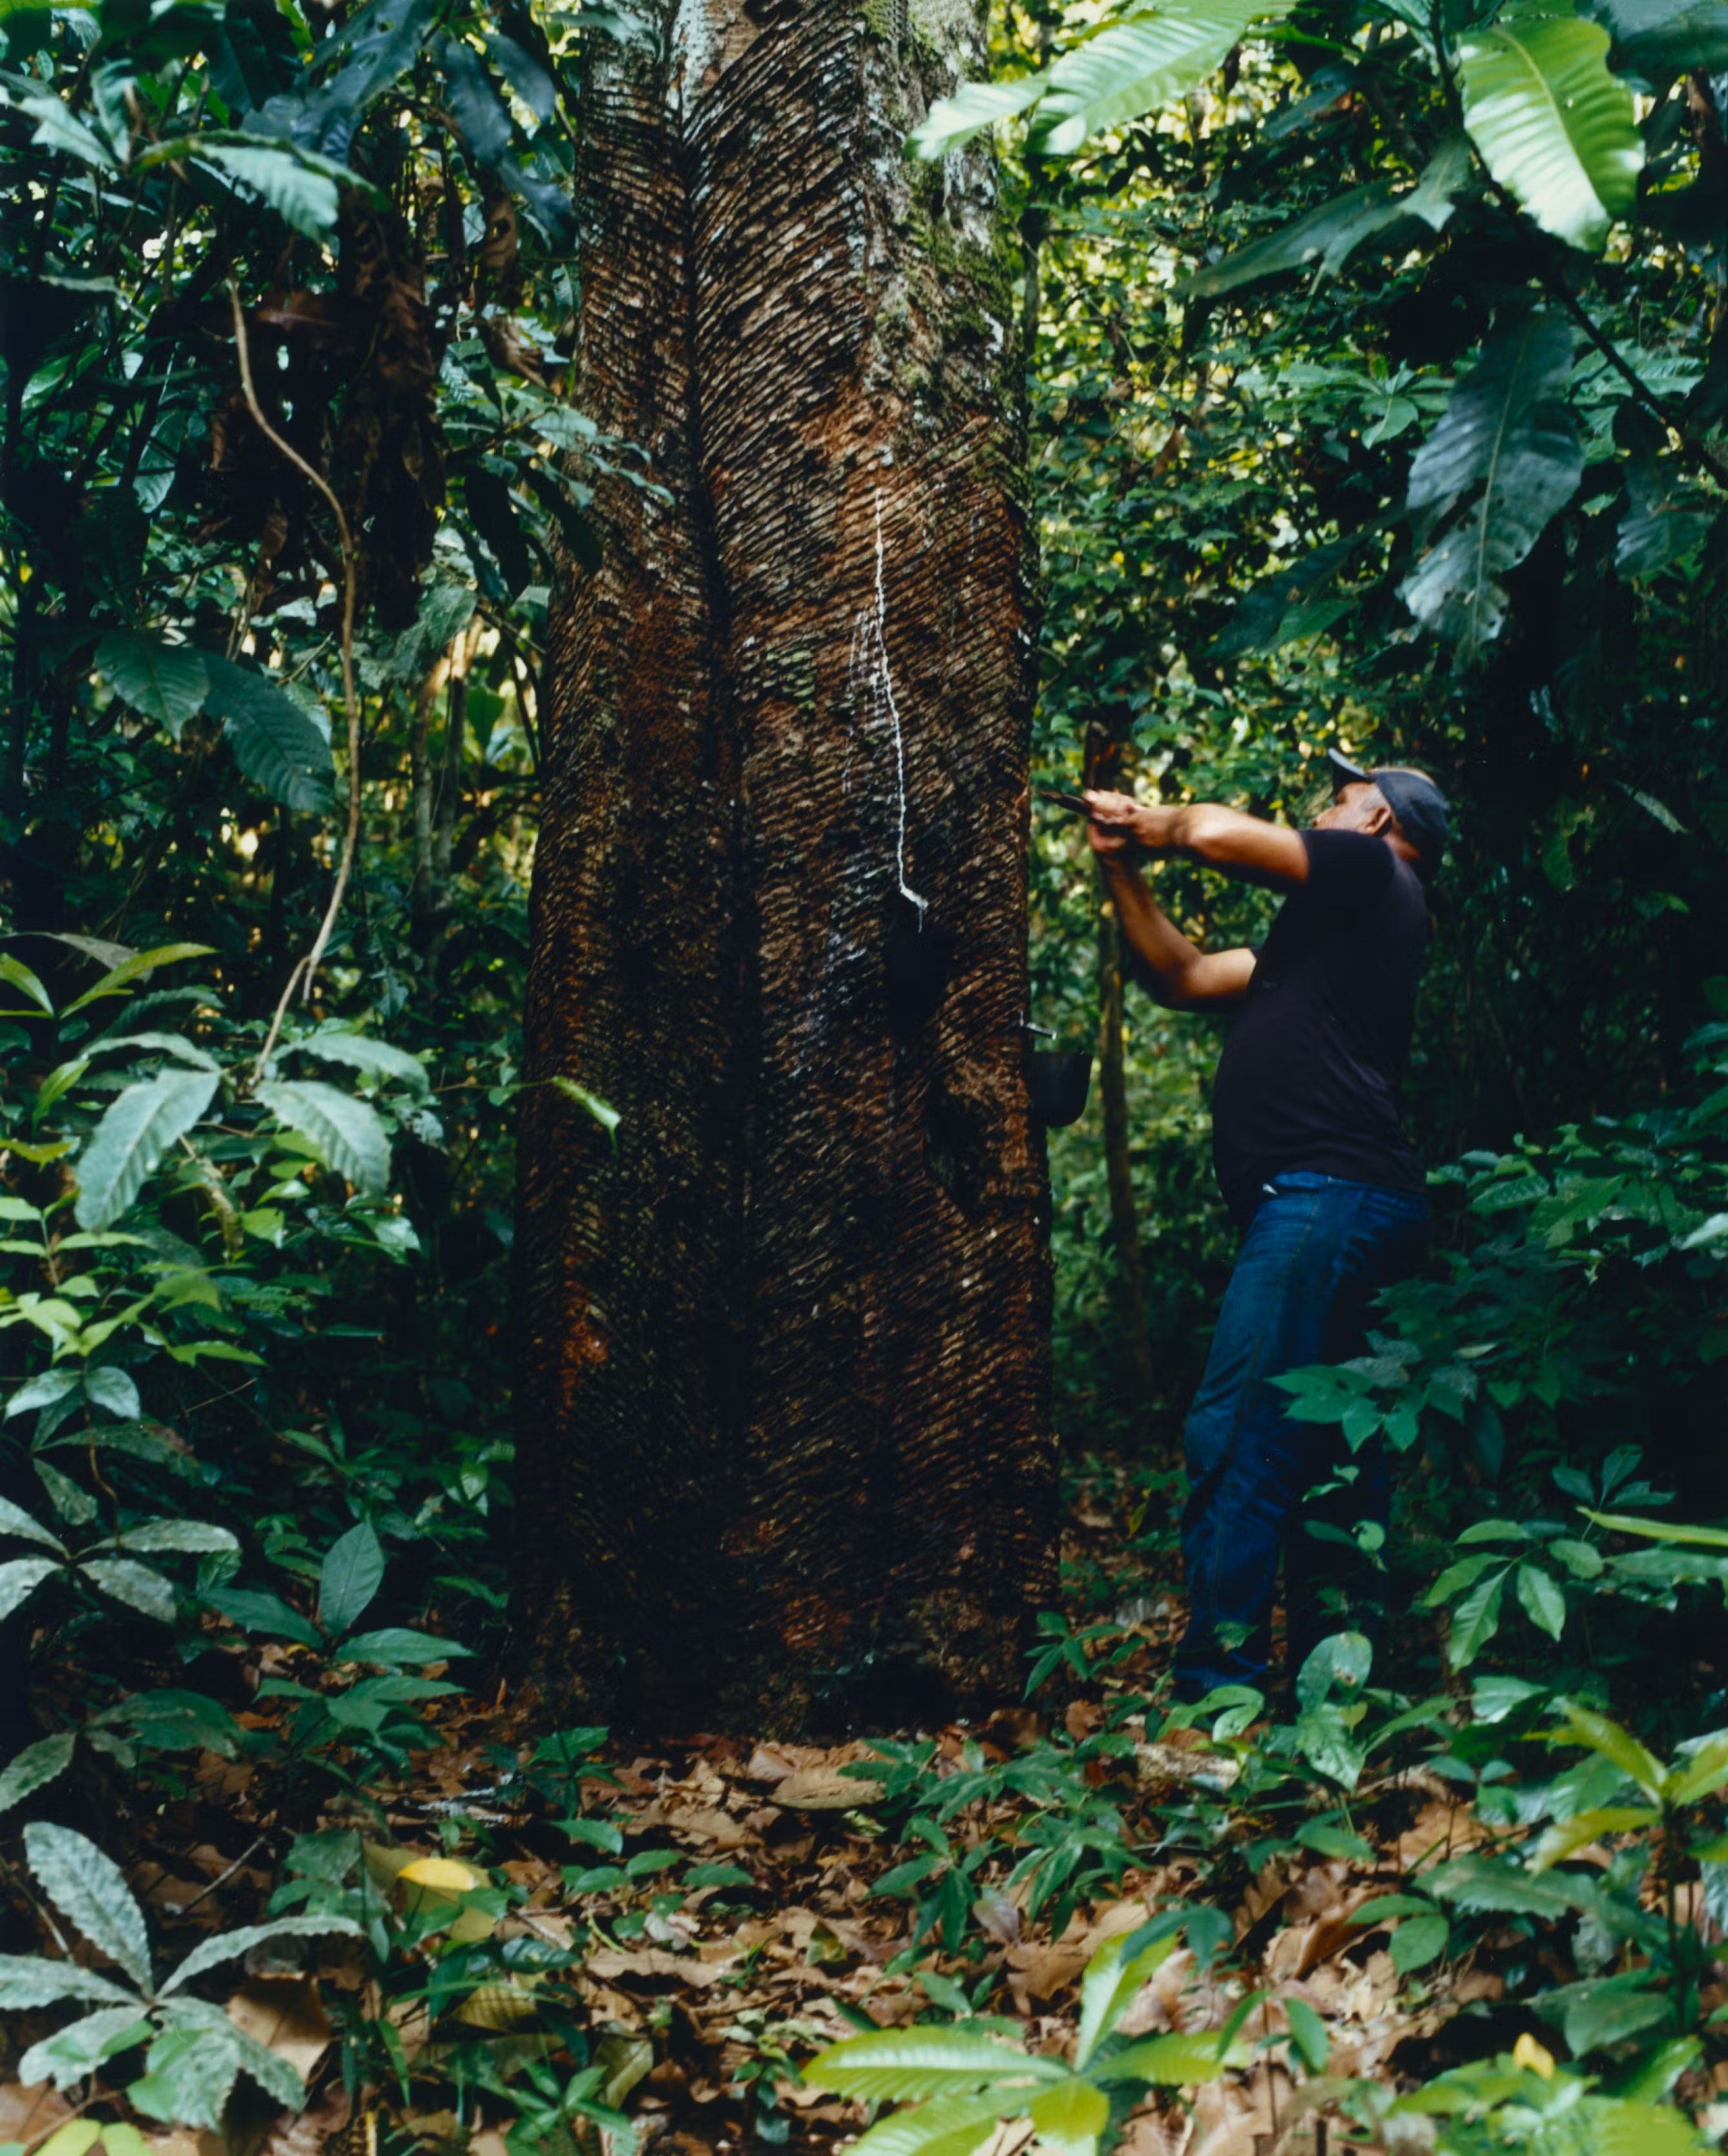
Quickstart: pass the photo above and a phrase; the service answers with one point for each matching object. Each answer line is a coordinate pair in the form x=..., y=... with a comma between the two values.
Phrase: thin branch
x=1694, y=451
x=307, y=968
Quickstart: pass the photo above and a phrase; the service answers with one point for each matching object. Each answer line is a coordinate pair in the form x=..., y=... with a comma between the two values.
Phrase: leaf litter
x=730, y=1906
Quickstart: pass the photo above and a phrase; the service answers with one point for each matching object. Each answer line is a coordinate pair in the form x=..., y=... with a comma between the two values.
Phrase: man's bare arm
x=1170, y=967
x=1223, y=839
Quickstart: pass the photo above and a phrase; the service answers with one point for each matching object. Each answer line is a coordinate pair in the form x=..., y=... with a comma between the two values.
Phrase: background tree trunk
x=784, y=1415
x=1105, y=739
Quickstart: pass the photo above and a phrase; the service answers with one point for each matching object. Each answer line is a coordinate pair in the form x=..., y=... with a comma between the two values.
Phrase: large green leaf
x=1584, y=1725
x=35, y=1767
x=1130, y=67
x=1114, y=1976
x=973, y=106
x=90, y=1890
x=20, y=1578
x=360, y=1052
x=1554, y=127
x=1328, y=236
x=301, y=190
x=1508, y=433
x=135, y=966
x=950, y=2126
x=29, y=1981
x=346, y=1131
x=275, y=743
x=76, y=2051
x=1070, y=2117
x=229, y=1945
x=1179, y=2060
x=1478, y=1884
x=1139, y=64
x=908, y=2065
x=351, y=1575
x=141, y=1124
x=1662, y=38
x=166, y=682
x=140, y=1587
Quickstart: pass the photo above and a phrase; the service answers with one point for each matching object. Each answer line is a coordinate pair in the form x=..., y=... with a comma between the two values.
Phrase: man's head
x=1394, y=803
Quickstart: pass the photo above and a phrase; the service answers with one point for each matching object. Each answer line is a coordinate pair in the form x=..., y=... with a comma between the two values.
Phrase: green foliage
x=1554, y=127
x=963, y=2084
x=194, y=2052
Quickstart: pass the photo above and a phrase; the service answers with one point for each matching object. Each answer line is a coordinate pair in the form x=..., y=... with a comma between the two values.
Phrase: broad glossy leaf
x=191, y=2073
x=492, y=512
x=20, y=1578
x=1418, y=1941
x=35, y=1767
x=31, y=1980
x=1180, y=2061
x=974, y=107
x=1115, y=1974
x=348, y=1133
x=114, y=1391
x=478, y=109
x=351, y=1575
x=1477, y=1619
x=302, y=195
x=275, y=743
x=1584, y=1725
x=1544, y=1601
x=399, y=1644
x=1663, y=38
x=359, y=1051
x=141, y=1587
x=1699, y=1773
x=135, y=966
x=950, y=2126
x=78, y=2050
x=256, y=1611
x=1568, y=1836
x=1554, y=127
x=1138, y=65
x=166, y=682
x=88, y=1889
x=197, y=1535
x=14, y=1520
x=1613, y=2128
x=1477, y=1884
x=907, y=2065
x=15, y=971
x=1607, y=2010
x=1331, y=234
x=1070, y=2117
x=139, y=1128
x=1508, y=434
x=1659, y=1531
x=230, y=1946
x=1309, y=2034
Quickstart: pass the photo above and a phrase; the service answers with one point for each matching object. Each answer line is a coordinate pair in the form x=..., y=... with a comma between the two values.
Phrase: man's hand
x=1120, y=822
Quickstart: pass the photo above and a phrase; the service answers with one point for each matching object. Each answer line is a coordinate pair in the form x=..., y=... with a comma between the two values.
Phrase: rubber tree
x=783, y=1409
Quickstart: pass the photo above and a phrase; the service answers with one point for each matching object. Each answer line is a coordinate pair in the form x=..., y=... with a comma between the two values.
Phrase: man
x=1315, y=1169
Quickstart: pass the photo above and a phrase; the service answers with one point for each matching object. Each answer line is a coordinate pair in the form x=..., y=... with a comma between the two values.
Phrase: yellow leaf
x=1527, y=2052
x=449, y=1872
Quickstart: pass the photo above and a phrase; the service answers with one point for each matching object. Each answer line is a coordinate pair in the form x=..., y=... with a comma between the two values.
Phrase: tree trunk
x=1103, y=768
x=783, y=1411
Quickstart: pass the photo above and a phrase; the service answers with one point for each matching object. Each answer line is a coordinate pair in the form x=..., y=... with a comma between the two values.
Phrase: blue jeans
x=1316, y=1255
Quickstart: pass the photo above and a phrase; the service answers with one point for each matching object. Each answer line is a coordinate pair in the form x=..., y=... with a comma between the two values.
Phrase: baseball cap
x=1424, y=813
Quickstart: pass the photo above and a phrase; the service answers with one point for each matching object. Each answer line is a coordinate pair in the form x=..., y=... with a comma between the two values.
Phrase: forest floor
x=691, y=1921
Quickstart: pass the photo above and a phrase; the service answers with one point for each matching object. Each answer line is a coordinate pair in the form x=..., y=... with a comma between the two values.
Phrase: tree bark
x=784, y=1401
x=1104, y=741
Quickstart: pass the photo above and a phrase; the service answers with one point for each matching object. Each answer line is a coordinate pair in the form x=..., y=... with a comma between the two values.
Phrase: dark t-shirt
x=1310, y=1074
